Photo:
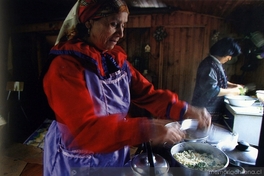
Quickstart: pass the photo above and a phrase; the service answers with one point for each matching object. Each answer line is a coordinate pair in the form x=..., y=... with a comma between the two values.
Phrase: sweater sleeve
x=67, y=94
x=206, y=86
x=161, y=103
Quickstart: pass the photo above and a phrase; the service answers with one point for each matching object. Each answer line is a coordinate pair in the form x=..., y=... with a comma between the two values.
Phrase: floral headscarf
x=84, y=10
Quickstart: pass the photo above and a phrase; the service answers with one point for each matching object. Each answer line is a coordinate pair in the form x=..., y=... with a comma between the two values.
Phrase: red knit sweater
x=67, y=94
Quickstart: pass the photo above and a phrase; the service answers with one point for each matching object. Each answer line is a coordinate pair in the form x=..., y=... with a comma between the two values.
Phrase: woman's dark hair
x=81, y=30
x=225, y=47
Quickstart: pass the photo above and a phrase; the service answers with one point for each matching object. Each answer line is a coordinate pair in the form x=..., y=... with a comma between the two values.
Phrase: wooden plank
x=168, y=59
x=139, y=21
x=197, y=19
x=160, y=75
x=177, y=50
x=187, y=63
x=153, y=53
x=165, y=69
x=180, y=26
x=190, y=19
x=11, y=166
x=183, y=46
x=198, y=45
x=27, y=153
x=172, y=65
x=32, y=169
x=182, y=67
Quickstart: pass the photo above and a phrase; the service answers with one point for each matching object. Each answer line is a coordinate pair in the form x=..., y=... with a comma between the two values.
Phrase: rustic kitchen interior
x=164, y=39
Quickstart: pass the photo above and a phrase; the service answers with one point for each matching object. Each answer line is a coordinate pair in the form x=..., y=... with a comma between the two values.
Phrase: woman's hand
x=201, y=114
x=234, y=89
x=163, y=135
x=233, y=85
x=230, y=91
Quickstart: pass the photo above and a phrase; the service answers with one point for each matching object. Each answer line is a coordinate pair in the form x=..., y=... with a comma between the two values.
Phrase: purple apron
x=113, y=96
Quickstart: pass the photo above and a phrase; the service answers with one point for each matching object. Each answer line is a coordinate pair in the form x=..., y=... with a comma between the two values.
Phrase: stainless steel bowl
x=201, y=148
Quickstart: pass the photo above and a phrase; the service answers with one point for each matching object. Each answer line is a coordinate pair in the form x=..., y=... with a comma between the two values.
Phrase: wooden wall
x=175, y=59
x=172, y=62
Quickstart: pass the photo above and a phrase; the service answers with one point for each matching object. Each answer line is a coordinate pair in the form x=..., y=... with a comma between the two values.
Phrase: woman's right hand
x=200, y=114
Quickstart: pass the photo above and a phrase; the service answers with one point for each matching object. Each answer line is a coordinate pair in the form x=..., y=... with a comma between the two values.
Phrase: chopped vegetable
x=200, y=161
x=243, y=91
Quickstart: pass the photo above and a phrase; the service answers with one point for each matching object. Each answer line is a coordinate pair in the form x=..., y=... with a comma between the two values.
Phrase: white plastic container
x=260, y=95
x=241, y=100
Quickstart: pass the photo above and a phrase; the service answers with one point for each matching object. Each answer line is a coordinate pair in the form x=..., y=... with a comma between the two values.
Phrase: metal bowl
x=241, y=100
x=201, y=148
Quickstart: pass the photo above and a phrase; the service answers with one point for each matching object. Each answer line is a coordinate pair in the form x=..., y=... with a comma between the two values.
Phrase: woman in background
x=211, y=81
x=89, y=85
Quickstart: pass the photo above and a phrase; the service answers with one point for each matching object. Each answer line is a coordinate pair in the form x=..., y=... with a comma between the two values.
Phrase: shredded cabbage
x=200, y=161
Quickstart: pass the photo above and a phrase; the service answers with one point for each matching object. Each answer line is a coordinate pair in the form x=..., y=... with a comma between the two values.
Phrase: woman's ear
x=88, y=24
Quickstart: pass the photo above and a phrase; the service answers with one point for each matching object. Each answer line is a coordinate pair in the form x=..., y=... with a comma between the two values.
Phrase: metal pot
x=201, y=148
x=141, y=166
x=240, y=154
x=148, y=163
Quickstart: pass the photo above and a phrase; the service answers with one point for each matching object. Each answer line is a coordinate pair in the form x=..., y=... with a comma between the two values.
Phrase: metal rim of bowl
x=204, y=145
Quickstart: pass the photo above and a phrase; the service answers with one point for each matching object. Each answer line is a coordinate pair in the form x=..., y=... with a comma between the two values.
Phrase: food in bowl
x=260, y=95
x=198, y=160
x=241, y=100
x=201, y=148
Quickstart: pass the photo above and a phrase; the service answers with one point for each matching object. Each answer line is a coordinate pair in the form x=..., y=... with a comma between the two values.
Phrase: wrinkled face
x=106, y=32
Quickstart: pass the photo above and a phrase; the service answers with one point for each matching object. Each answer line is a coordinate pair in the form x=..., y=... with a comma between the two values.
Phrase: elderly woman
x=89, y=85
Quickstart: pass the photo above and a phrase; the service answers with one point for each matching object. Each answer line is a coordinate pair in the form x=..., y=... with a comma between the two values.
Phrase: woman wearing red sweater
x=90, y=86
